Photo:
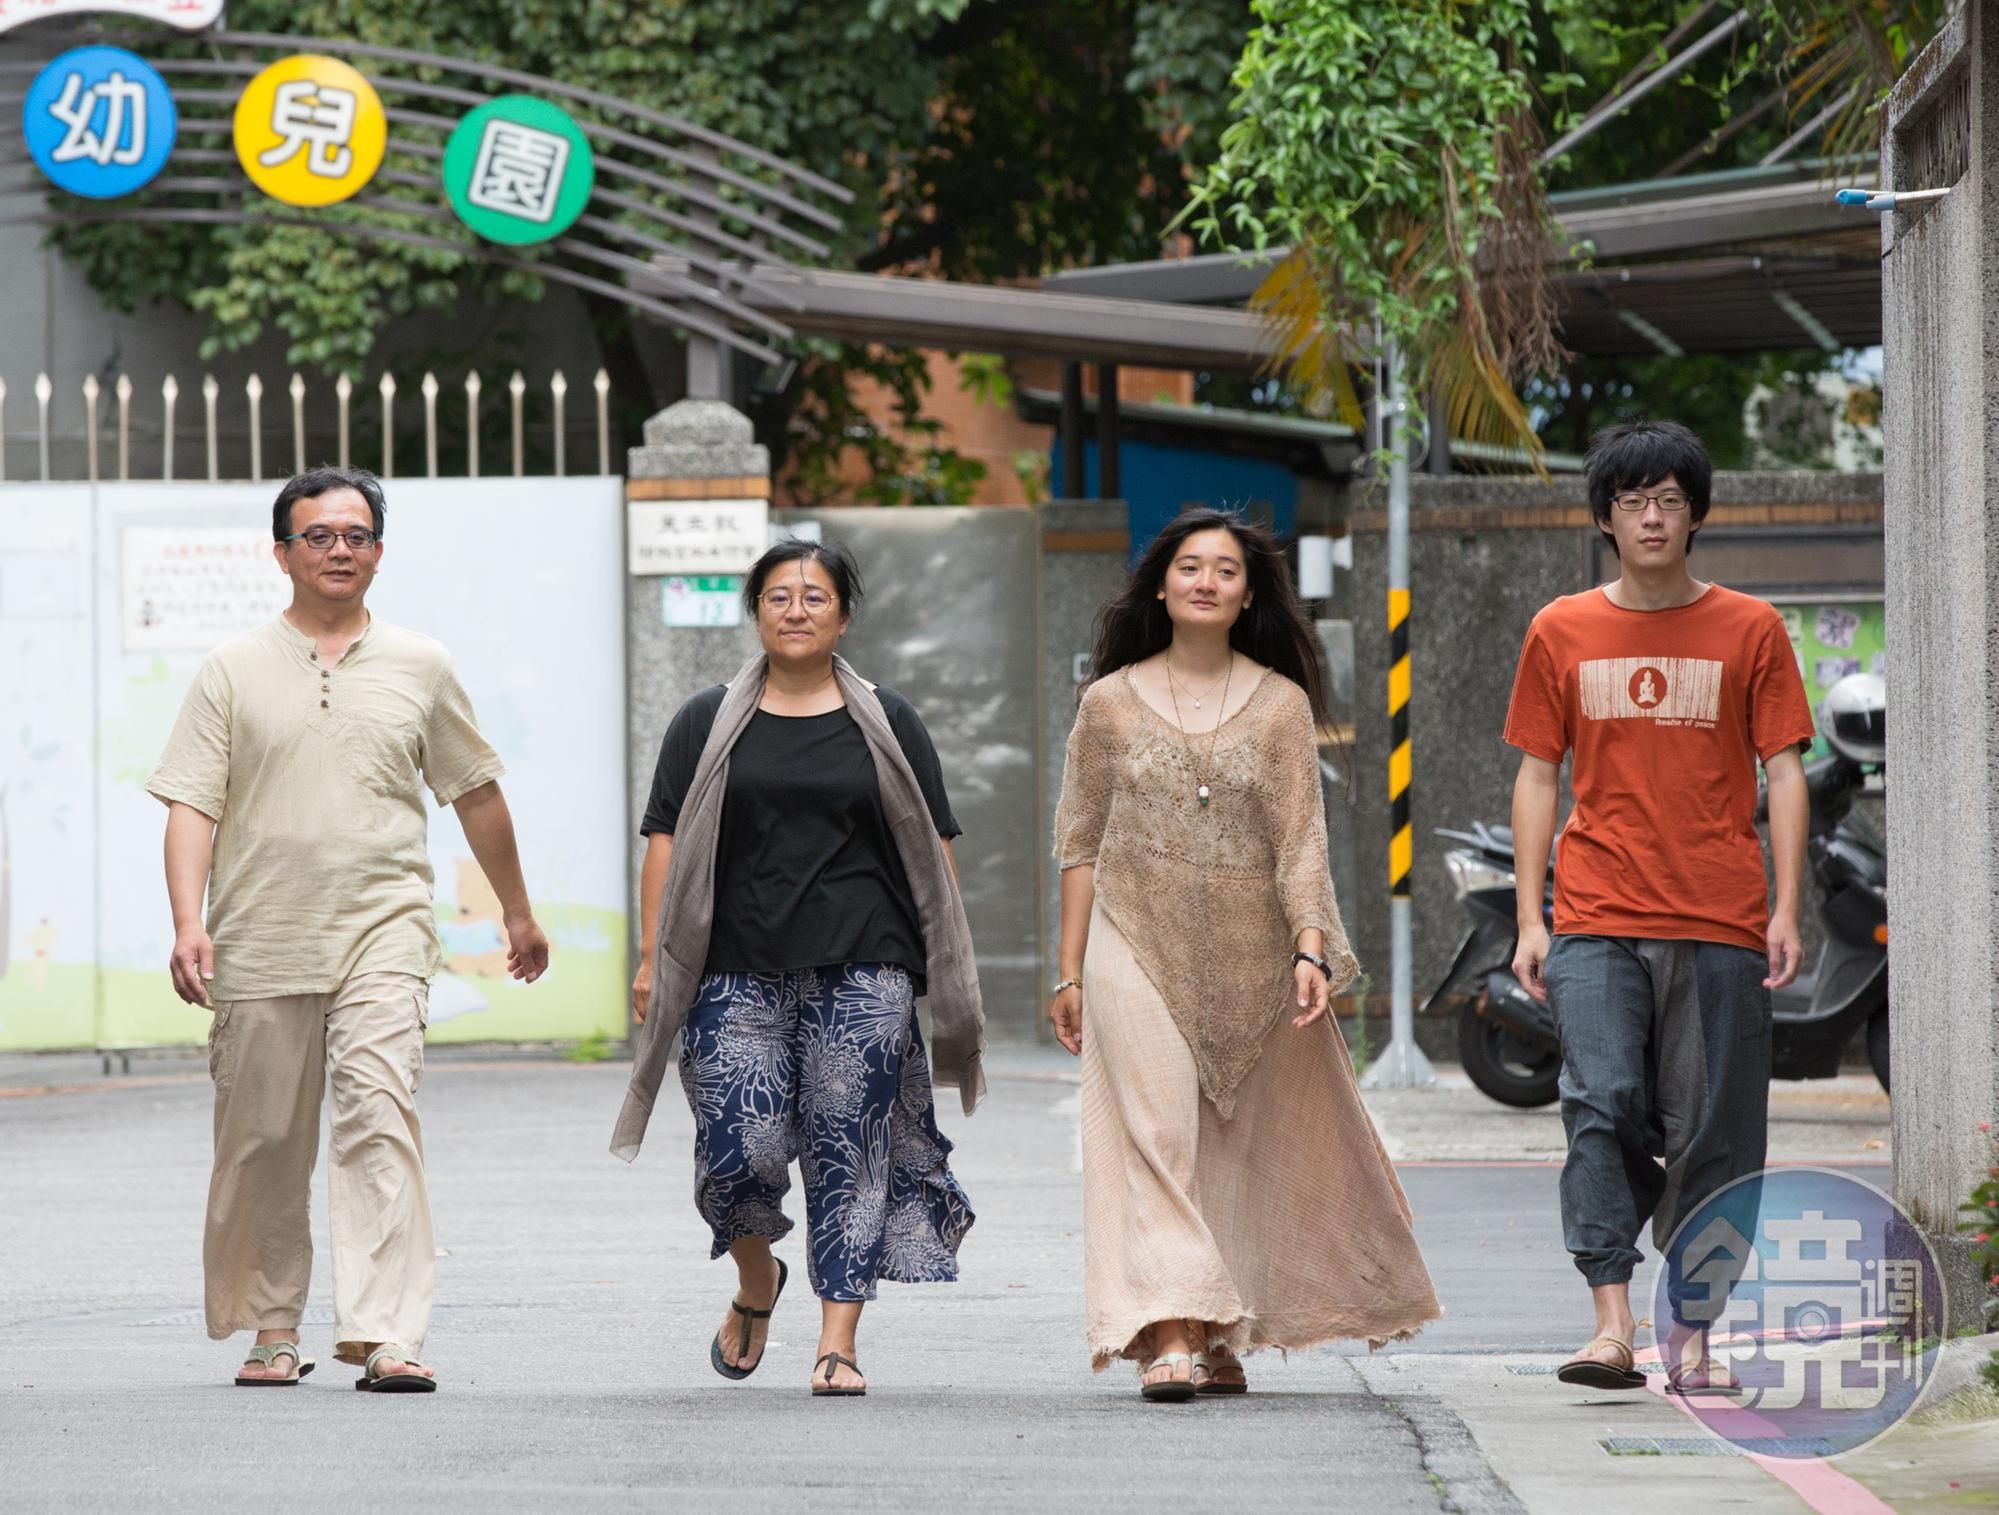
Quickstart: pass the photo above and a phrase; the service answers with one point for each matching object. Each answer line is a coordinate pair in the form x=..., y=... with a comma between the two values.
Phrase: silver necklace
x=1202, y=791
x=1197, y=698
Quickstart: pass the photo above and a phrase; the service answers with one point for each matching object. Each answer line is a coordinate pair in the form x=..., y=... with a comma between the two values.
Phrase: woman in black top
x=802, y=1041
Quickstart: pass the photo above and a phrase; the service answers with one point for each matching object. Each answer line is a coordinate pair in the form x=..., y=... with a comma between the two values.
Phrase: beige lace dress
x=1230, y=1171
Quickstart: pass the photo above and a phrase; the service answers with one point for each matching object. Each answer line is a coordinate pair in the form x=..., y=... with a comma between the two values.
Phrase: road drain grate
x=1708, y=1446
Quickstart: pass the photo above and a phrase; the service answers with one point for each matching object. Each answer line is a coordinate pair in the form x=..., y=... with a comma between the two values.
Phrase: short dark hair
x=835, y=559
x=315, y=482
x=1637, y=455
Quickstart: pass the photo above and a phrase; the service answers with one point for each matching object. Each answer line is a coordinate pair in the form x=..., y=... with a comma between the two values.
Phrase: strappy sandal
x=1593, y=1373
x=1167, y=1390
x=832, y=1390
x=267, y=1353
x=722, y=1364
x=1712, y=1378
x=1208, y=1368
x=371, y=1382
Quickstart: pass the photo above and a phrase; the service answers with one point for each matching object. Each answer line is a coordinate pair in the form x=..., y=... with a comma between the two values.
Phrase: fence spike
x=388, y=388
x=343, y=391
x=558, y=388
x=91, y=391
x=43, y=390
x=124, y=392
x=518, y=388
x=211, y=391
x=430, y=422
x=169, y=393
x=602, y=385
x=472, y=424
x=298, y=422
x=254, y=388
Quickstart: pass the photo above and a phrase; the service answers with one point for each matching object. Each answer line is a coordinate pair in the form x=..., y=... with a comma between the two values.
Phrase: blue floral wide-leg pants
x=825, y=1065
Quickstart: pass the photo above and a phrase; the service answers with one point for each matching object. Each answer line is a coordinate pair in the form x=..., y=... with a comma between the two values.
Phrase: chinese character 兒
x=519, y=171
x=122, y=141
x=315, y=119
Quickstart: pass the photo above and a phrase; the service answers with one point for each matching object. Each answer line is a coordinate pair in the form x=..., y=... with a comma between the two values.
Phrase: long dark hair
x=1272, y=629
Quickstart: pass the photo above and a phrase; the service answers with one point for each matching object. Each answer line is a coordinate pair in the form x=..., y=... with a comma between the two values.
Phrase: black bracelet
x=1316, y=961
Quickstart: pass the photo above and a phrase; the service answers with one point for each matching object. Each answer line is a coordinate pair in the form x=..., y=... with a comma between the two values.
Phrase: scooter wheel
x=1877, y=1045
x=1502, y=1065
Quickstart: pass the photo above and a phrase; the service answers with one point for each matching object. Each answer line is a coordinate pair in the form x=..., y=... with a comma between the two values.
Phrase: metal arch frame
x=759, y=211
x=423, y=210
x=672, y=315
x=707, y=136
x=683, y=189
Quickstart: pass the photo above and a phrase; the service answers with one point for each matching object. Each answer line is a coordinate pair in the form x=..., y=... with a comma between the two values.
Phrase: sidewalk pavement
x=576, y=1303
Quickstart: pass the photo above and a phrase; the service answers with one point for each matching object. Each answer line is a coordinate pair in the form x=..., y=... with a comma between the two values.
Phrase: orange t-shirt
x=1667, y=712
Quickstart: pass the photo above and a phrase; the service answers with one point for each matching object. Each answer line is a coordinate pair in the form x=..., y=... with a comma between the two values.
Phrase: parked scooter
x=1507, y=1042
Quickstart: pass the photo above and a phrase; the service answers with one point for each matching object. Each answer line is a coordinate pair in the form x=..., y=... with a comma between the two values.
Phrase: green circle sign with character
x=518, y=170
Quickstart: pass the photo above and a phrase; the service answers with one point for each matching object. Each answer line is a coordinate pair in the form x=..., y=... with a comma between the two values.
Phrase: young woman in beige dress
x=1235, y=1195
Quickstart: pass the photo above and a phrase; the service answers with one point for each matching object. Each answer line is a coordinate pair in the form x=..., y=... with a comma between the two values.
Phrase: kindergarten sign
x=187, y=15
x=99, y=122
x=518, y=170
x=310, y=130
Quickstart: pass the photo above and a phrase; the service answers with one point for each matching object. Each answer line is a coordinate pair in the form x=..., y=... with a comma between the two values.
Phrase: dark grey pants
x=1665, y=1087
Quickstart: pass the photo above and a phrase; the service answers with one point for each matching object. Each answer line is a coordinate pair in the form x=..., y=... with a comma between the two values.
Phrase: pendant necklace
x=1202, y=790
x=1197, y=698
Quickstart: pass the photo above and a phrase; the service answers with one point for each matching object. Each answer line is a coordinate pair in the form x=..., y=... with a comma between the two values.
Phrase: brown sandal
x=831, y=1390
x=1594, y=1373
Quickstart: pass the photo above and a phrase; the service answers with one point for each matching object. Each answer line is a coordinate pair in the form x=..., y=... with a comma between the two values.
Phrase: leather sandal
x=1594, y=1373
x=267, y=1353
x=372, y=1382
x=832, y=1390
x=722, y=1364
x=1211, y=1364
x=1167, y=1390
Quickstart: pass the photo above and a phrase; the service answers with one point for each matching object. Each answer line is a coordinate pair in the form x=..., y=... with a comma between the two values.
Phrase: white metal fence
x=238, y=440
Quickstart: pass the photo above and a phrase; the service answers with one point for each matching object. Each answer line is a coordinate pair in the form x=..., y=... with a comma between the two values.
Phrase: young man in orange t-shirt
x=1667, y=691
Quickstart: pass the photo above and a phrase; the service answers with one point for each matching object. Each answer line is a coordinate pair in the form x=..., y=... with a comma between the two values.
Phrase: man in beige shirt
x=293, y=781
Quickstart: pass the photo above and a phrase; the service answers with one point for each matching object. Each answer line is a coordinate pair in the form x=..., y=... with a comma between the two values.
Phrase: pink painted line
x=1814, y=1480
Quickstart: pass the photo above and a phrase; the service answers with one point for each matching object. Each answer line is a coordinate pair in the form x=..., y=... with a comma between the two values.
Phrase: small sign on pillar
x=701, y=538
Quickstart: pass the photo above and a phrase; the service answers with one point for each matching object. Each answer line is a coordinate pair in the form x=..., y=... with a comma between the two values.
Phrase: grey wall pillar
x=694, y=450
x=1083, y=549
x=1941, y=338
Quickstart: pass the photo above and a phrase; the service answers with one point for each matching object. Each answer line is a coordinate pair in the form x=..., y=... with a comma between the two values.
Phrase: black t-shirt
x=807, y=874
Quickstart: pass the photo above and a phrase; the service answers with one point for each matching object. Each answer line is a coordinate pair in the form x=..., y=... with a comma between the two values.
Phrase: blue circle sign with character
x=100, y=122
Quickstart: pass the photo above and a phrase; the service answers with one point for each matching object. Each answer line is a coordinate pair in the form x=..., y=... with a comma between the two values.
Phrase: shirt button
x=323, y=705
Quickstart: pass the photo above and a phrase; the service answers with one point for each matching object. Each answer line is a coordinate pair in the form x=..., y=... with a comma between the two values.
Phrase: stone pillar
x=694, y=450
x=1940, y=271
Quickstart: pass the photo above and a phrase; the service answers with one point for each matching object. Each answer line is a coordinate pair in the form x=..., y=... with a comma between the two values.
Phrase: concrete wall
x=1942, y=401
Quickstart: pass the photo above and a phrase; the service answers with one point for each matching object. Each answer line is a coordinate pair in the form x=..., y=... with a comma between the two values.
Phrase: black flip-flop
x=264, y=1354
x=1592, y=1373
x=831, y=1390
x=393, y=1383
x=720, y=1363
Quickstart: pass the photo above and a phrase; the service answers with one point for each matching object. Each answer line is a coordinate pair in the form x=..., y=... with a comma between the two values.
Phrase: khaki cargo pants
x=272, y=1059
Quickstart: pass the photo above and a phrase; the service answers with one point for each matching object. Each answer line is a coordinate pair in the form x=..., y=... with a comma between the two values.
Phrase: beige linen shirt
x=311, y=773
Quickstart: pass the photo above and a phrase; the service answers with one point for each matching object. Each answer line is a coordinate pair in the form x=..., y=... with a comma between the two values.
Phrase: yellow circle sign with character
x=310, y=130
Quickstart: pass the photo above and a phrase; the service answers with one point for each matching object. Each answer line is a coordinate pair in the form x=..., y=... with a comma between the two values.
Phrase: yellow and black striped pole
x=1403, y=1064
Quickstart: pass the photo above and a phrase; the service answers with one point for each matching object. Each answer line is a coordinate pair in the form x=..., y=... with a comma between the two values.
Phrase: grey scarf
x=687, y=905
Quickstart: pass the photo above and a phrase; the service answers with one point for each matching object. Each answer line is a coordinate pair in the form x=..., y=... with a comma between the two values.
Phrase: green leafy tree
x=1393, y=146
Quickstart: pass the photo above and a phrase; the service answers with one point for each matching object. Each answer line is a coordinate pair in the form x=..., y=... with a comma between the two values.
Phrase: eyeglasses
x=1672, y=499
x=778, y=601
x=319, y=538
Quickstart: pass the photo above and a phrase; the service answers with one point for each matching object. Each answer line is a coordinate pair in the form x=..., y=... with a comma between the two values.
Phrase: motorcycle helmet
x=1853, y=718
